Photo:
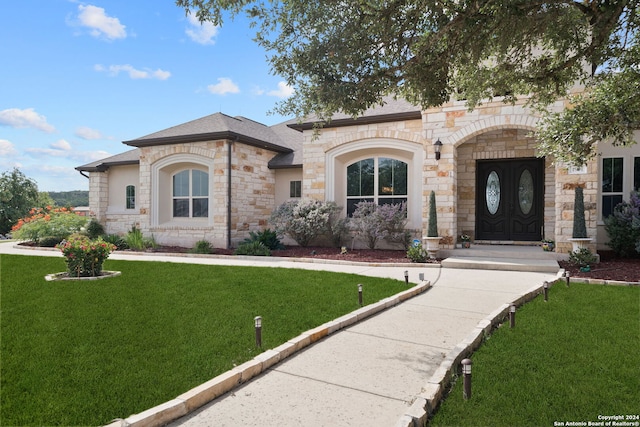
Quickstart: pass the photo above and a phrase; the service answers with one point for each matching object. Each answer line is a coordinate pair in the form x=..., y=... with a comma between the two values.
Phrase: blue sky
x=78, y=78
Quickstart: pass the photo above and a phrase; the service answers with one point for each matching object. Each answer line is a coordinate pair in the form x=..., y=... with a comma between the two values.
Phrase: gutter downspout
x=86, y=176
x=229, y=191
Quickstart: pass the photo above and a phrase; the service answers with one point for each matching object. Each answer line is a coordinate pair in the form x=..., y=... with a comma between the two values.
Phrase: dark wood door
x=510, y=199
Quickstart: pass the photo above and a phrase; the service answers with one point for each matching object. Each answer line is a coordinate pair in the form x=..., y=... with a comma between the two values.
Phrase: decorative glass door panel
x=510, y=200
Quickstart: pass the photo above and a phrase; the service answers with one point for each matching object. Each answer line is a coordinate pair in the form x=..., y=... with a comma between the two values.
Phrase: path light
x=360, y=295
x=545, y=288
x=568, y=276
x=258, y=324
x=421, y=277
x=512, y=316
x=466, y=378
x=406, y=277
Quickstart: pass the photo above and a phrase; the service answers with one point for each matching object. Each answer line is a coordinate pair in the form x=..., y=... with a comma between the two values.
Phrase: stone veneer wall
x=494, y=130
x=498, y=144
x=253, y=194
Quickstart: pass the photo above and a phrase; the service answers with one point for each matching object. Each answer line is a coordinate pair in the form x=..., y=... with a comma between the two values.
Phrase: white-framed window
x=295, y=189
x=130, y=196
x=190, y=194
x=612, y=184
x=381, y=180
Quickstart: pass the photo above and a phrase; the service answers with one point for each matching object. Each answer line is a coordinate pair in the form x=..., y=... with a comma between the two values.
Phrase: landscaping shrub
x=304, y=220
x=202, y=247
x=118, y=241
x=373, y=223
x=84, y=256
x=50, y=241
x=254, y=248
x=582, y=257
x=267, y=237
x=623, y=227
x=137, y=242
x=417, y=254
x=48, y=222
x=94, y=229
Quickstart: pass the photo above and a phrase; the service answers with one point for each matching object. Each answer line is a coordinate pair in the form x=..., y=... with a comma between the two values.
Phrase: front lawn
x=85, y=353
x=568, y=360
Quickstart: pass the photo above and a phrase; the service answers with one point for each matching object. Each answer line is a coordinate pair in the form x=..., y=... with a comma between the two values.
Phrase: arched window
x=191, y=194
x=131, y=196
x=378, y=179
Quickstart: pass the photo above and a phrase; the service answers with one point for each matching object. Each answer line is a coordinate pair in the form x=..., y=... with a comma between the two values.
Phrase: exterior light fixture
x=568, y=276
x=360, y=295
x=437, y=146
x=406, y=276
x=258, y=324
x=512, y=316
x=545, y=288
x=466, y=378
x=421, y=277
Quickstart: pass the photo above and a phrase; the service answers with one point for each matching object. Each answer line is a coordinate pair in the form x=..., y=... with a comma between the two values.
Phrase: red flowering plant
x=51, y=224
x=84, y=257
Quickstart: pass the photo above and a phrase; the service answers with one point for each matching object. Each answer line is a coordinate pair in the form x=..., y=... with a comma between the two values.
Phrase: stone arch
x=507, y=121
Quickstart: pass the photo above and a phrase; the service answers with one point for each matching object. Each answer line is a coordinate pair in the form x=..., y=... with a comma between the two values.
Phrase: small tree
x=579, y=223
x=432, y=227
x=18, y=195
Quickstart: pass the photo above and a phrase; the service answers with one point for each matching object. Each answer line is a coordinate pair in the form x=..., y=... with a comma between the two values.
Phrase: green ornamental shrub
x=582, y=257
x=94, y=229
x=254, y=248
x=202, y=247
x=84, y=257
x=432, y=226
x=579, y=223
x=118, y=241
x=48, y=222
x=623, y=227
x=417, y=254
x=267, y=237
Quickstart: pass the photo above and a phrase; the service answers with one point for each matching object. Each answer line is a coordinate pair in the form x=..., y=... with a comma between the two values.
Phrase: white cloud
x=100, y=24
x=223, y=87
x=27, y=118
x=61, y=145
x=134, y=73
x=283, y=91
x=7, y=148
x=202, y=33
x=88, y=133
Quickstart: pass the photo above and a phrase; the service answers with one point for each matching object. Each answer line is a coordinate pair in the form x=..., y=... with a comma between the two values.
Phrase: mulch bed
x=609, y=268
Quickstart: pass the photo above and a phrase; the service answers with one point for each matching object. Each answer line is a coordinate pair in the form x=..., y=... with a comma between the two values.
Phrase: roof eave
x=209, y=136
x=383, y=118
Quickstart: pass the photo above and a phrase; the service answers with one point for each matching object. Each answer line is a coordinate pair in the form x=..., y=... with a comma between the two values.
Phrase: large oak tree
x=346, y=55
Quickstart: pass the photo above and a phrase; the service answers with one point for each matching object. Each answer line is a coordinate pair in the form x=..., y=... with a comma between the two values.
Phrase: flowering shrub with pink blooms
x=84, y=257
x=373, y=223
x=50, y=223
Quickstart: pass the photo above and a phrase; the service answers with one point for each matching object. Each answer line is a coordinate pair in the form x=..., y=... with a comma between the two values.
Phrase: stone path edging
x=432, y=393
x=223, y=383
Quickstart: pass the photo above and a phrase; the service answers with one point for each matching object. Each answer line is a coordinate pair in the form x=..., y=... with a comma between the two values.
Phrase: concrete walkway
x=386, y=370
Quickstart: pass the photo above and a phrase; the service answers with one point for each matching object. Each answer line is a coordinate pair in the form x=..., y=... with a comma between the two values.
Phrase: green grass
x=84, y=353
x=572, y=358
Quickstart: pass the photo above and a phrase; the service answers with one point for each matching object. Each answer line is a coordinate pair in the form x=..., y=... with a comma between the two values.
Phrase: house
x=218, y=177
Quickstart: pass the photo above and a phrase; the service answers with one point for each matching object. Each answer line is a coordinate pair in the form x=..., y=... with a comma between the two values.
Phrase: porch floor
x=512, y=257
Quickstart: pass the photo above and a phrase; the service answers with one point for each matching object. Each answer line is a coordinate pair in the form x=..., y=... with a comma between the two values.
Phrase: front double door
x=510, y=199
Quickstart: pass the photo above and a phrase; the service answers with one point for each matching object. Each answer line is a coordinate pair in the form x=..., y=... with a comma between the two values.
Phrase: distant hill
x=70, y=198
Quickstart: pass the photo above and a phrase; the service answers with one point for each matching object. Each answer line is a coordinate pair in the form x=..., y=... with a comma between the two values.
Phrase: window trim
x=190, y=197
x=130, y=197
x=377, y=196
x=295, y=189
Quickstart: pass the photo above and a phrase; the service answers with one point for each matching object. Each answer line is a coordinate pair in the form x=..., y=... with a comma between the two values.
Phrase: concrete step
x=504, y=264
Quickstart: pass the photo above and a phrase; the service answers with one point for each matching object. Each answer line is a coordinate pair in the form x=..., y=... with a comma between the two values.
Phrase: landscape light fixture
x=512, y=316
x=406, y=276
x=568, y=277
x=466, y=378
x=258, y=324
x=438, y=147
x=360, y=294
x=545, y=287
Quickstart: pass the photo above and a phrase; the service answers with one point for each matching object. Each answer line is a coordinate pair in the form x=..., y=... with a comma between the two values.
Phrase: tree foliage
x=18, y=195
x=346, y=56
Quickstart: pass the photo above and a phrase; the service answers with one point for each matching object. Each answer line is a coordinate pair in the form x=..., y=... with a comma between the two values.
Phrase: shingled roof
x=285, y=139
